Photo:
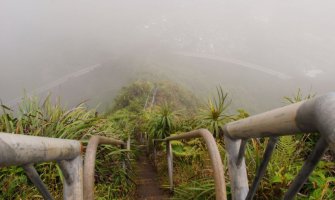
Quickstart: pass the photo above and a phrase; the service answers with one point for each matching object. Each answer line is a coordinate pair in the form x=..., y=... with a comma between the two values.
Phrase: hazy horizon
x=261, y=49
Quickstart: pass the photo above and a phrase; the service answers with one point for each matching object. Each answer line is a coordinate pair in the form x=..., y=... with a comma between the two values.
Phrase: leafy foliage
x=198, y=189
x=162, y=121
x=286, y=162
x=149, y=107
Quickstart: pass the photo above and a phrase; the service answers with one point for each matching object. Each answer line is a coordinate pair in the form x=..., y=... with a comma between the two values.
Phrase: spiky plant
x=215, y=116
x=298, y=97
x=162, y=121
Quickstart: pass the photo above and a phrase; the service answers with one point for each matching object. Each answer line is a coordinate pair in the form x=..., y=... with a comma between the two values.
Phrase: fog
x=259, y=51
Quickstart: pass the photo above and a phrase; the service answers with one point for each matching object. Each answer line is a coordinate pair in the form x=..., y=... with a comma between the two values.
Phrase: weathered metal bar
x=63, y=165
x=309, y=165
x=147, y=143
x=89, y=164
x=17, y=149
x=37, y=181
x=159, y=140
x=74, y=190
x=170, y=163
x=262, y=168
x=128, y=143
x=128, y=164
x=214, y=154
x=241, y=152
x=237, y=174
x=281, y=121
x=155, y=152
x=314, y=115
x=155, y=142
x=123, y=157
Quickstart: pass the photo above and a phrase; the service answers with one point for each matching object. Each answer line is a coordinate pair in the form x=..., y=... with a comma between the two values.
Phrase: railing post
x=89, y=166
x=147, y=143
x=123, y=157
x=16, y=149
x=262, y=168
x=73, y=188
x=308, y=167
x=155, y=152
x=214, y=154
x=37, y=181
x=128, y=164
x=170, y=163
x=128, y=143
x=237, y=174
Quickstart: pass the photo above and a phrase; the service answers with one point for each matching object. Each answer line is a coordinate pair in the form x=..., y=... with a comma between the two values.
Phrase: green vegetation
x=161, y=123
x=159, y=109
x=52, y=120
x=214, y=116
x=287, y=160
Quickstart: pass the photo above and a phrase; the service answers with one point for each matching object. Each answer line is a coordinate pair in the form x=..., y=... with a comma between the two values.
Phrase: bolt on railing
x=314, y=115
x=218, y=170
x=24, y=150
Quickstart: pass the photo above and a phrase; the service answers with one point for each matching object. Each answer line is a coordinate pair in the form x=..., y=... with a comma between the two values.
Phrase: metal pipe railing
x=89, y=165
x=37, y=181
x=24, y=150
x=218, y=169
x=73, y=189
x=237, y=169
x=307, y=169
x=241, y=152
x=262, y=168
x=17, y=149
x=314, y=115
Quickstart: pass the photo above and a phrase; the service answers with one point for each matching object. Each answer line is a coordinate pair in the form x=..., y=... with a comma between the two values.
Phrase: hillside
x=248, y=89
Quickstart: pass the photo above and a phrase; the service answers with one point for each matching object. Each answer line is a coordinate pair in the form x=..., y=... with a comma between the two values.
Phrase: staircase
x=147, y=182
x=314, y=115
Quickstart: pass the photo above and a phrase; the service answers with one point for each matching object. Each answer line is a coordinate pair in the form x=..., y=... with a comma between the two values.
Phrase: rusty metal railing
x=90, y=162
x=314, y=115
x=218, y=170
x=23, y=150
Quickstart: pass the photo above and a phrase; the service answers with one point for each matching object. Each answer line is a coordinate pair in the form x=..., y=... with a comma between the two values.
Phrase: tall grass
x=49, y=119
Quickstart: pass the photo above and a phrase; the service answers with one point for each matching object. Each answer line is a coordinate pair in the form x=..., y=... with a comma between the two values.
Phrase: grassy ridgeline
x=160, y=109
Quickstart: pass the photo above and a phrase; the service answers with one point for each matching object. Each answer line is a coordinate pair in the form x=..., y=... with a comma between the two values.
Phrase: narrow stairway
x=148, y=187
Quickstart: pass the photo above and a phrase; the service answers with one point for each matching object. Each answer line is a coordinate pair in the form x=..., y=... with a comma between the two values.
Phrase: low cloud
x=312, y=73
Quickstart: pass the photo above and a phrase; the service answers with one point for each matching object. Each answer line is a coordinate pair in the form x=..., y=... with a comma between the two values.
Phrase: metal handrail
x=89, y=163
x=24, y=150
x=218, y=169
x=314, y=115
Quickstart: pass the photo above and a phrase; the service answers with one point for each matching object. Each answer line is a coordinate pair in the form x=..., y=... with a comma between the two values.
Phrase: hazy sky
x=42, y=41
